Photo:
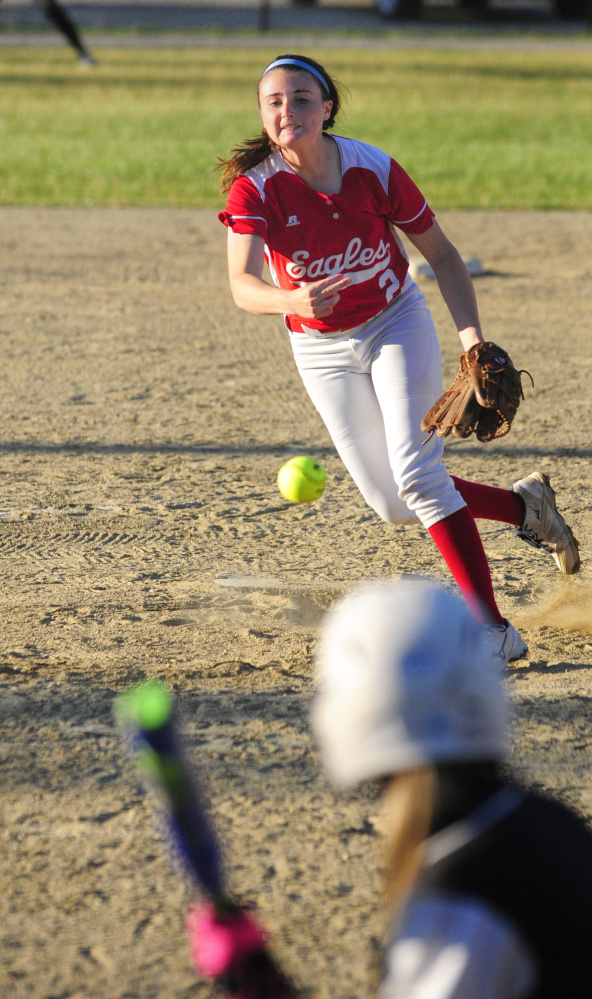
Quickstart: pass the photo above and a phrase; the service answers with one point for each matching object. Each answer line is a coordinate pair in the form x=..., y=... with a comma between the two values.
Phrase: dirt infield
x=143, y=422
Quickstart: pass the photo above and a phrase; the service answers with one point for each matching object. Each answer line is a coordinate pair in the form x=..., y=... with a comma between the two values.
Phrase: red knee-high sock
x=459, y=543
x=490, y=503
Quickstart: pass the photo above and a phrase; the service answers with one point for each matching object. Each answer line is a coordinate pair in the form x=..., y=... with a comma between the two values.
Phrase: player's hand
x=230, y=947
x=316, y=299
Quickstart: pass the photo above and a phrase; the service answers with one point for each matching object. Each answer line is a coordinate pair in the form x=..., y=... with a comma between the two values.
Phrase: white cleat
x=505, y=643
x=543, y=526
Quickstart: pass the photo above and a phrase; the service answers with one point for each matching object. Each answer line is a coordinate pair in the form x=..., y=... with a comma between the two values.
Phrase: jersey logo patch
x=293, y=220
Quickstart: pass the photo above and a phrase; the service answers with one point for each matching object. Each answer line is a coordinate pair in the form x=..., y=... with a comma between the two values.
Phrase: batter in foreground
x=489, y=884
x=324, y=211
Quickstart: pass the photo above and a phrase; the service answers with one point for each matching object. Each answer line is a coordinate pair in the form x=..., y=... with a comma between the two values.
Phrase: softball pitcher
x=324, y=211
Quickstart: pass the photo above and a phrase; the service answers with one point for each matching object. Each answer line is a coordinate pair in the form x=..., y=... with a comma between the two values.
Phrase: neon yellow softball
x=301, y=480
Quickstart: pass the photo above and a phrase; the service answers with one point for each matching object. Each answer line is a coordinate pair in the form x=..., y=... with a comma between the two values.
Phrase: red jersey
x=309, y=235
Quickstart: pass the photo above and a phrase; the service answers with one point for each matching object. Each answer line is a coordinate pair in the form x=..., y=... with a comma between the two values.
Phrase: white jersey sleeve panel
x=360, y=154
x=264, y=171
x=450, y=947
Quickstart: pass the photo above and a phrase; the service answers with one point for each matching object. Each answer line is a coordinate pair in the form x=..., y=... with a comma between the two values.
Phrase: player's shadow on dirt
x=166, y=447
x=323, y=450
x=550, y=744
x=499, y=274
x=519, y=451
x=544, y=667
x=63, y=737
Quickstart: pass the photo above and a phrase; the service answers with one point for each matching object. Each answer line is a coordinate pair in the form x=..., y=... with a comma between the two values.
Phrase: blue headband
x=301, y=65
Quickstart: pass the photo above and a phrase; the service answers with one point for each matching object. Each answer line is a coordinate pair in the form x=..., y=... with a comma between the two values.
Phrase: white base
x=419, y=268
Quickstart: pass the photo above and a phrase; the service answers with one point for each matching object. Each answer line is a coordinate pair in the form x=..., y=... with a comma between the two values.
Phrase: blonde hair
x=408, y=809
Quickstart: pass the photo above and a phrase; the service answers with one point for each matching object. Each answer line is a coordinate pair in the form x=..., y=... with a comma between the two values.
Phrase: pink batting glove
x=219, y=943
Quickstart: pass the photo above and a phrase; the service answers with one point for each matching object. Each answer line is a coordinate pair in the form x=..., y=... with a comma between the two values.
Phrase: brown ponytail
x=243, y=158
x=253, y=151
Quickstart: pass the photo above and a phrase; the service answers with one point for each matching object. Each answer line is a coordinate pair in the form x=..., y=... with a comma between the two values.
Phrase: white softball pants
x=372, y=385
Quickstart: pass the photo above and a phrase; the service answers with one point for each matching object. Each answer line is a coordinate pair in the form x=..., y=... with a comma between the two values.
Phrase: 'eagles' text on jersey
x=309, y=235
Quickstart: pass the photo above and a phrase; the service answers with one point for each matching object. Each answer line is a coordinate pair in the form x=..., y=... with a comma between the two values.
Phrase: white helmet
x=406, y=679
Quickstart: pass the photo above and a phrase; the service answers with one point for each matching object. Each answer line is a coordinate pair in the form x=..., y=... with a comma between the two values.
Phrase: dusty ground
x=143, y=423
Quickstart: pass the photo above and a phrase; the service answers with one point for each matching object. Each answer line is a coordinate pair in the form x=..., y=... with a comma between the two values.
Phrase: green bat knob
x=148, y=705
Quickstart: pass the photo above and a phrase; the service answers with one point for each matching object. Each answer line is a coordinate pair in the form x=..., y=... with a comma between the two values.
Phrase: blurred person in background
x=61, y=19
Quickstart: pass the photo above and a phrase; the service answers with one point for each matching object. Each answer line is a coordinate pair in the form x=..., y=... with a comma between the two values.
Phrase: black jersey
x=502, y=909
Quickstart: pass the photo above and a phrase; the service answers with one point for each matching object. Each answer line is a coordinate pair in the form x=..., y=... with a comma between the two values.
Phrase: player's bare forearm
x=255, y=295
x=310, y=300
x=246, y=259
x=457, y=290
x=454, y=281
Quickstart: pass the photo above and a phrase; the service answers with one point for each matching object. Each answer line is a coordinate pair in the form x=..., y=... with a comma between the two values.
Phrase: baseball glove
x=482, y=399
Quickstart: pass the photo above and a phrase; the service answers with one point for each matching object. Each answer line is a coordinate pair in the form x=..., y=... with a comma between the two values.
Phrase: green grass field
x=503, y=129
